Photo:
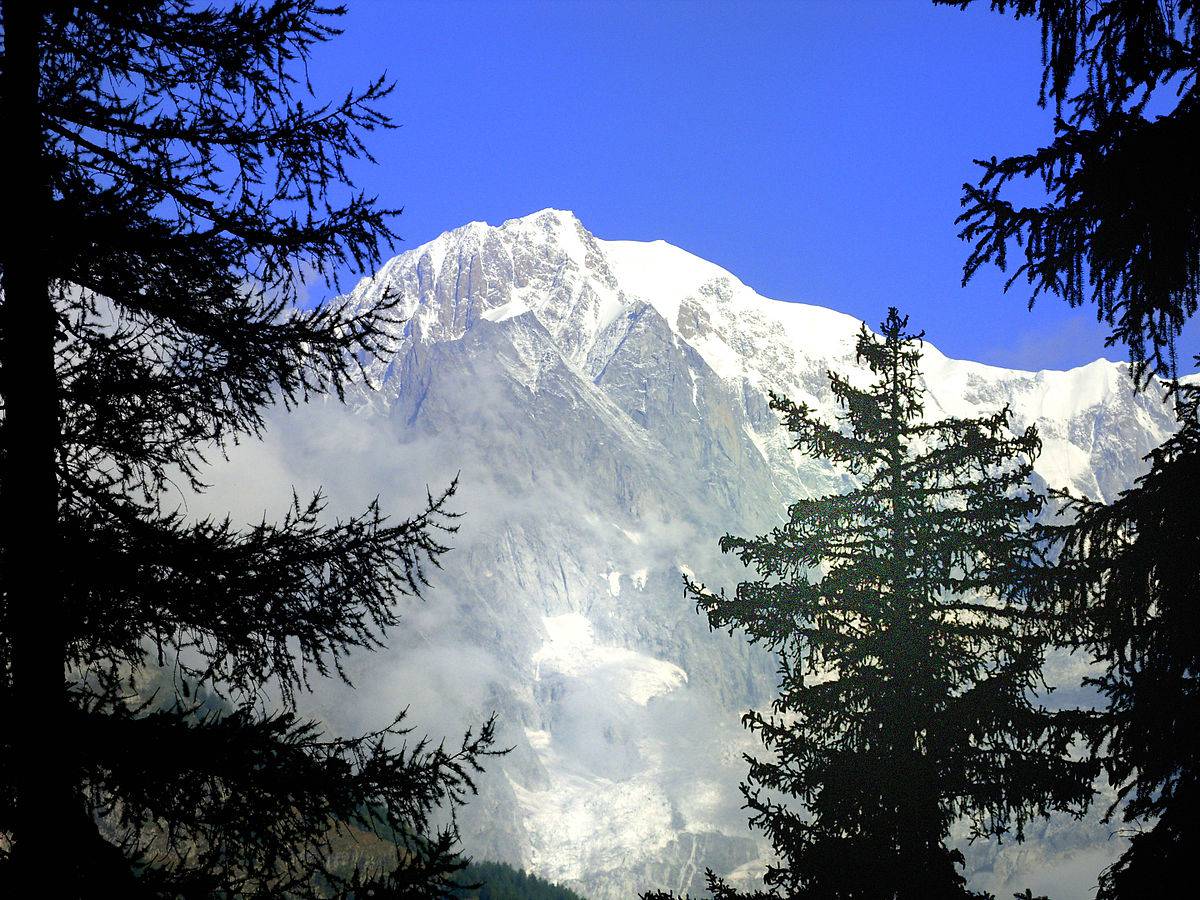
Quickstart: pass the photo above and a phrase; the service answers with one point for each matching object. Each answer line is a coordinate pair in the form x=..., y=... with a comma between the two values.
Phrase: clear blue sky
x=814, y=148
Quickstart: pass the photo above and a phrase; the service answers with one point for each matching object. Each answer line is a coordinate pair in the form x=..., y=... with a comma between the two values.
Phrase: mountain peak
x=560, y=224
x=543, y=215
x=552, y=260
x=607, y=403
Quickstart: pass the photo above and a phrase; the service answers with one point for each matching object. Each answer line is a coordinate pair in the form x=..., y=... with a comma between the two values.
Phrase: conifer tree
x=1129, y=581
x=1121, y=229
x=171, y=178
x=1121, y=225
x=910, y=648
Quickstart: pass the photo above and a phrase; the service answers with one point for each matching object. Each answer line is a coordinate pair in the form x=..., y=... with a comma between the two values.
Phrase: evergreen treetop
x=910, y=646
x=1121, y=224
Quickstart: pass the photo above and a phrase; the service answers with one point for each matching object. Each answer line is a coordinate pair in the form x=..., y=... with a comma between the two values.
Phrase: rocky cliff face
x=606, y=403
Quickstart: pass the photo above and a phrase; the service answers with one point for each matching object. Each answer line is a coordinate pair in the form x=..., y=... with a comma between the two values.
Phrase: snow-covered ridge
x=589, y=294
x=660, y=273
x=606, y=403
x=668, y=277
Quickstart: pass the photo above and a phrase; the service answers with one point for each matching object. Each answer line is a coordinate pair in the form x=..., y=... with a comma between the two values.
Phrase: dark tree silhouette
x=1121, y=225
x=171, y=179
x=1122, y=230
x=1130, y=577
x=910, y=647
x=498, y=881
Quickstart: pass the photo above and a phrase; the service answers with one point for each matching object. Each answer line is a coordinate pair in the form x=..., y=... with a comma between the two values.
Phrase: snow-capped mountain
x=606, y=404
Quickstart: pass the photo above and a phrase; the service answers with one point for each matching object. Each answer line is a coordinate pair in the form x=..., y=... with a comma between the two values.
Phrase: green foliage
x=910, y=645
x=500, y=881
x=717, y=889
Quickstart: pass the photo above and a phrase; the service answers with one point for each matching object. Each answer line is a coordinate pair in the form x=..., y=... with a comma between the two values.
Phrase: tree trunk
x=44, y=776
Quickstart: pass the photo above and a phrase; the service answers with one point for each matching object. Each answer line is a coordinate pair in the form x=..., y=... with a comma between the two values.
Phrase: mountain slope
x=606, y=403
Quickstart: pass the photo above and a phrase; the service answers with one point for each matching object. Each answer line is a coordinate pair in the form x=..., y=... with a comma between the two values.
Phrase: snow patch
x=581, y=825
x=721, y=358
x=584, y=821
x=614, y=583
x=661, y=273
x=572, y=650
x=514, y=307
x=757, y=441
x=634, y=536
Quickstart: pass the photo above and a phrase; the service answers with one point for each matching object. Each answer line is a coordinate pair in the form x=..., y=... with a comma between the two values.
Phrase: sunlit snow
x=571, y=649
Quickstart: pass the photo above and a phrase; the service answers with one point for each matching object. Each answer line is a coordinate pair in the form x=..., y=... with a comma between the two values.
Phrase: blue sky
x=814, y=148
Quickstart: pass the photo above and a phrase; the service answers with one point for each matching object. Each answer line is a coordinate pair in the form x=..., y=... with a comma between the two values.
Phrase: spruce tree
x=1121, y=230
x=909, y=642
x=1129, y=581
x=171, y=182
x=1120, y=227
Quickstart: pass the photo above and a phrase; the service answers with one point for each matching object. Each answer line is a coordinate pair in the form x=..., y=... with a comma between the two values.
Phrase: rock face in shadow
x=606, y=405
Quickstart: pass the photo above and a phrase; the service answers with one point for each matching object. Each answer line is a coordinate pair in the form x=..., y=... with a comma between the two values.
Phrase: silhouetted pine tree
x=910, y=652
x=169, y=183
x=499, y=881
x=1130, y=579
x=1122, y=230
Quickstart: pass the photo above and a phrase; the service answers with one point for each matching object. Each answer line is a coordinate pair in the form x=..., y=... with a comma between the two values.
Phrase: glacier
x=606, y=405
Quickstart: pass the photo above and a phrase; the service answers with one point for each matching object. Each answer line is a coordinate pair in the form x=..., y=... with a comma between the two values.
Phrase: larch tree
x=171, y=178
x=1120, y=229
x=910, y=647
